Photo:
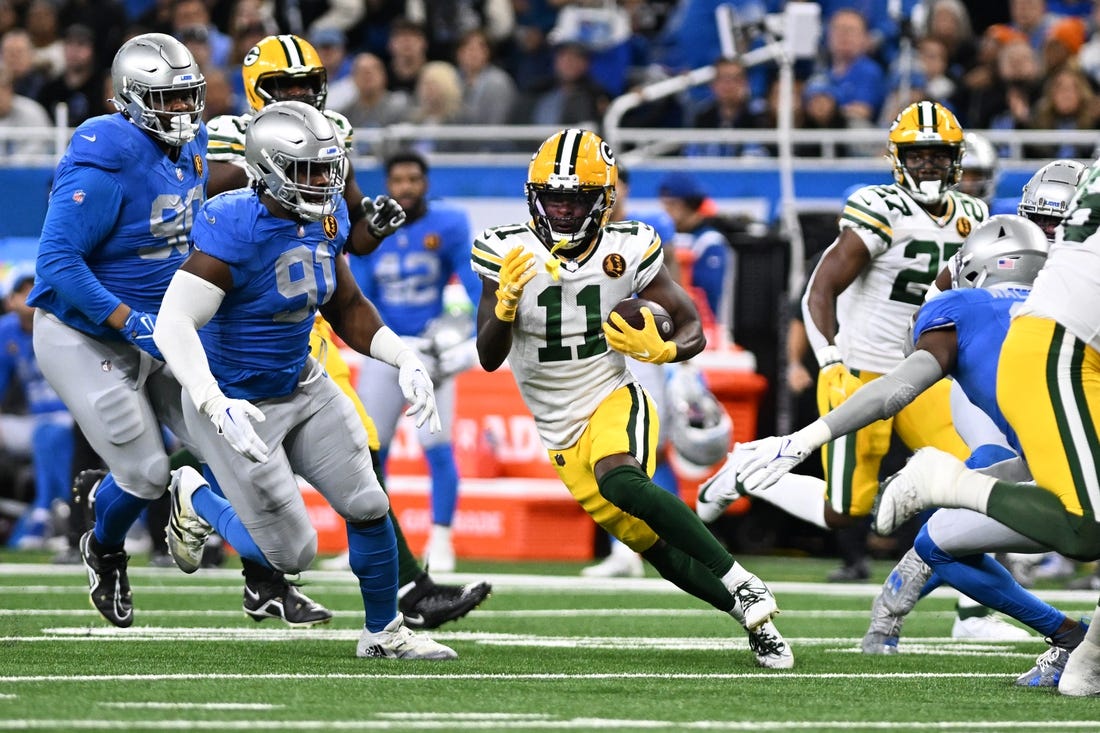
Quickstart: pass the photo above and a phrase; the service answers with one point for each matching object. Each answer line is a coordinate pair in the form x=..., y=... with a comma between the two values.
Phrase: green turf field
x=548, y=651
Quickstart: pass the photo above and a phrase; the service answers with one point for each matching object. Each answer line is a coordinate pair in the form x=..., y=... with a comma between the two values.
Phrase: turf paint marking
x=771, y=674
x=192, y=705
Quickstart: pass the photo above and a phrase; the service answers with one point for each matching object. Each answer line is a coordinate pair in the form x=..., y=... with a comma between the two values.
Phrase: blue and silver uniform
x=118, y=222
x=286, y=271
x=405, y=276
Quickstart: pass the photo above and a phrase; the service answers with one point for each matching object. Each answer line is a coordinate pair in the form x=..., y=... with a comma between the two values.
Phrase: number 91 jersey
x=908, y=248
x=560, y=358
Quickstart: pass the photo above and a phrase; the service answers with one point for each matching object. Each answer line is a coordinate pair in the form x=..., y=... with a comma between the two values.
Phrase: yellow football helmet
x=284, y=68
x=926, y=148
x=571, y=188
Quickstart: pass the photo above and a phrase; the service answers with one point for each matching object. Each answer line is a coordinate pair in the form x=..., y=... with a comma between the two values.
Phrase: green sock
x=184, y=457
x=408, y=568
x=628, y=488
x=1041, y=516
x=971, y=611
x=689, y=575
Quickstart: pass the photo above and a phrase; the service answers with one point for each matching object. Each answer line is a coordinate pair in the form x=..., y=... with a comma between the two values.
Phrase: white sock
x=961, y=488
x=736, y=575
x=798, y=495
x=441, y=534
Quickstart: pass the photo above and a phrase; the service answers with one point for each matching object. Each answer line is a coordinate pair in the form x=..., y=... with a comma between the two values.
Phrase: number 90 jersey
x=560, y=358
x=908, y=247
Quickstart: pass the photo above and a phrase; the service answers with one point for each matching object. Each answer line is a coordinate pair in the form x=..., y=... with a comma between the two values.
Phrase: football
x=631, y=311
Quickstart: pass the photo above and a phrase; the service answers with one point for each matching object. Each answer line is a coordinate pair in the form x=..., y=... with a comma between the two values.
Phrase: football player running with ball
x=260, y=408
x=287, y=68
x=548, y=287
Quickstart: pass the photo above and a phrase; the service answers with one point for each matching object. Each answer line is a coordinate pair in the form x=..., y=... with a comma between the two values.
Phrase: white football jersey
x=908, y=247
x=226, y=144
x=1067, y=289
x=560, y=357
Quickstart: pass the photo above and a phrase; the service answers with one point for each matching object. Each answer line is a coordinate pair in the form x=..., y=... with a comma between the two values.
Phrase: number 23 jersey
x=560, y=358
x=908, y=248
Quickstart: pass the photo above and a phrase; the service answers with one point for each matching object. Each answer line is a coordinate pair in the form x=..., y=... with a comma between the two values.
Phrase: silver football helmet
x=1003, y=250
x=292, y=150
x=151, y=75
x=1048, y=194
x=700, y=429
x=980, y=167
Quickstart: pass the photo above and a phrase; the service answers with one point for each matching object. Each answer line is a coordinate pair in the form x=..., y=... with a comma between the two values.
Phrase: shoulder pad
x=103, y=142
x=344, y=129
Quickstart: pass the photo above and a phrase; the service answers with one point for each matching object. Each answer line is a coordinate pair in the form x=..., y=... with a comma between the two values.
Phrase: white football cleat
x=396, y=641
x=186, y=531
x=905, y=494
x=770, y=648
x=720, y=490
x=988, y=628
x=754, y=605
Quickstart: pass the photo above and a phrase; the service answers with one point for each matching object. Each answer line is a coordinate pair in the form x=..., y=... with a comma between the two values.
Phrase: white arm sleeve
x=189, y=303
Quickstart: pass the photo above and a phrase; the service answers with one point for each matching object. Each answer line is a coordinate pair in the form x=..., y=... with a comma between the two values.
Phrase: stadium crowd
x=1025, y=64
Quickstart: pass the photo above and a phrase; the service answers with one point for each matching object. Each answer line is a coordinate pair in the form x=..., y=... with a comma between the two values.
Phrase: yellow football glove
x=515, y=272
x=835, y=383
x=644, y=344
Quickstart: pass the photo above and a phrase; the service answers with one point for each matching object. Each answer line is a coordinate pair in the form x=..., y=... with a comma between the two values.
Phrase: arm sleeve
x=83, y=208
x=189, y=303
x=885, y=396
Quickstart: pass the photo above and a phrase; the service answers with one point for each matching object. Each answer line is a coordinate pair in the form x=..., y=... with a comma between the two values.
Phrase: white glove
x=416, y=385
x=769, y=459
x=233, y=419
x=384, y=215
x=457, y=358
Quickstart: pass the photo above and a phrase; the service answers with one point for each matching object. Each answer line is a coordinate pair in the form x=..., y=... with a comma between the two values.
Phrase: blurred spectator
x=1030, y=17
x=306, y=17
x=438, y=96
x=858, y=82
x=373, y=105
x=488, y=93
x=933, y=59
x=220, y=99
x=43, y=27
x=331, y=46
x=191, y=13
x=447, y=21
x=248, y=25
x=408, y=47
x=1064, y=41
x=1019, y=73
x=17, y=110
x=197, y=40
x=1067, y=103
x=9, y=16
x=17, y=56
x=605, y=30
x=901, y=96
x=1089, y=55
x=531, y=58
x=712, y=266
x=948, y=21
x=107, y=19
x=820, y=111
x=574, y=97
x=730, y=109
x=980, y=93
x=80, y=85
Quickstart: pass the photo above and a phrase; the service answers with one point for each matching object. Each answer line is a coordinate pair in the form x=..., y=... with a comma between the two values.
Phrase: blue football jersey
x=981, y=319
x=17, y=360
x=405, y=276
x=282, y=271
x=118, y=223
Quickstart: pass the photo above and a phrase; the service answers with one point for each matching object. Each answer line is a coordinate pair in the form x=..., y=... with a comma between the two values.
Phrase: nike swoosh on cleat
x=253, y=595
x=414, y=620
x=89, y=138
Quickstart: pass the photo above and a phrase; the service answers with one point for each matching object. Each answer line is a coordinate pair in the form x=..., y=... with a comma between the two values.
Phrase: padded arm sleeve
x=189, y=303
x=887, y=395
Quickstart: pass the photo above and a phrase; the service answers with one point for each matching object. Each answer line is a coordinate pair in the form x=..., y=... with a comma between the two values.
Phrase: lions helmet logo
x=330, y=227
x=197, y=162
x=614, y=265
x=432, y=242
x=962, y=226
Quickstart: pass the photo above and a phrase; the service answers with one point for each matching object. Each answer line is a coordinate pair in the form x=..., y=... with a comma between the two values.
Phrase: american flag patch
x=1005, y=263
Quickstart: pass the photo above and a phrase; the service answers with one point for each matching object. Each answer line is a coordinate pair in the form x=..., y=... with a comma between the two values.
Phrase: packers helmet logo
x=614, y=265
x=606, y=154
x=252, y=56
x=963, y=226
x=197, y=162
x=432, y=242
x=330, y=226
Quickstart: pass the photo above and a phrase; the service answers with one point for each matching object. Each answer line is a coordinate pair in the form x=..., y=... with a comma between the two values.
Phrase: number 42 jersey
x=560, y=358
x=908, y=248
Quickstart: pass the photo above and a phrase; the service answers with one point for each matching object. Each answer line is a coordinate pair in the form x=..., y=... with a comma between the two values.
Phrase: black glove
x=384, y=215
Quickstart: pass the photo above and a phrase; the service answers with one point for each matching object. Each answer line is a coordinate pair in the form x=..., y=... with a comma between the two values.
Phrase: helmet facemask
x=569, y=218
x=295, y=184
x=310, y=87
x=927, y=171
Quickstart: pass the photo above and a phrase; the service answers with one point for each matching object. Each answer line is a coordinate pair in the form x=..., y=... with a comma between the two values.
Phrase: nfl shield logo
x=179, y=173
